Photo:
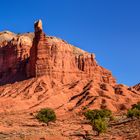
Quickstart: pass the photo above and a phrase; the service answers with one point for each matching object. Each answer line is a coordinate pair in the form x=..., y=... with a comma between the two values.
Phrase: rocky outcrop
x=60, y=76
x=48, y=56
x=14, y=54
x=59, y=60
x=137, y=87
x=39, y=64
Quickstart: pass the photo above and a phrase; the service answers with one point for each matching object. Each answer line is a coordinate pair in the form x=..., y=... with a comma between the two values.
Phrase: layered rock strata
x=48, y=56
x=137, y=87
x=60, y=72
x=59, y=60
x=14, y=54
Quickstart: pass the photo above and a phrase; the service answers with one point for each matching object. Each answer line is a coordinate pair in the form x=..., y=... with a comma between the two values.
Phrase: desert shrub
x=134, y=112
x=105, y=113
x=89, y=114
x=98, y=118
x=98, y=114
x=99, y=125
x=46, y=115
x=137, y=106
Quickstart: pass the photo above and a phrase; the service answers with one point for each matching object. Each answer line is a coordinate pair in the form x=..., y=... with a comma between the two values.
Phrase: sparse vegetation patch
x=98, y=119
x=46, y=115
x=134, y=112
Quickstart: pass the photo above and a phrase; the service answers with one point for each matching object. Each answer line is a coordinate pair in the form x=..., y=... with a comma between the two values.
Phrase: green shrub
x=99, y=125
x=97, y=114
x=89, y=114
x=104, y=113
x=98, y=119
x=137, y=106
x=130, y=113
x=133, y=113
x=46, y=115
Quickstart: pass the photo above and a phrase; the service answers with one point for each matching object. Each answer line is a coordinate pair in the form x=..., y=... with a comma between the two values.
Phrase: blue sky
x=108, y=28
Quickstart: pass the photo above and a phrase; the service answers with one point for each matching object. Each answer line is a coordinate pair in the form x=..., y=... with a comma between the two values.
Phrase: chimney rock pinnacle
x=38, y=26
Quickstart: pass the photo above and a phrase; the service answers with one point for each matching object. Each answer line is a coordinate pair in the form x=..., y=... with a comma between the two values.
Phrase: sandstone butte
x=37, y=71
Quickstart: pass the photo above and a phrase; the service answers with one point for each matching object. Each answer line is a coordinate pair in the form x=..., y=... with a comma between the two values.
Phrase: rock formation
x=137, y=87
x=14, y=53
x=59, y=60
x=48, y=56
x=49, y=72
x=39, y=64
x=29, y=55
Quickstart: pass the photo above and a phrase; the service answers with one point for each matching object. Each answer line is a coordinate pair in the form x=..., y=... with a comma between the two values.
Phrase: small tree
x=105, y=113
x=97, y=119
x=90, y=115
x=46, y=115
x=99, y=125
x=97, y=114
x=133, y=113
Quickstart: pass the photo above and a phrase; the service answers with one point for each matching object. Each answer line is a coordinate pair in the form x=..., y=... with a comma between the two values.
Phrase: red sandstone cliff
x=49, y=72
x=48, y=56
x=14, y=54
x=59, y=60
x=55, y=63
x=137, y=87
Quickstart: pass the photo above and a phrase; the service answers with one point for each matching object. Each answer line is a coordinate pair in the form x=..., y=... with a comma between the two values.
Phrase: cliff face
x=14, y=53
x=52, y=65
x=59, y=60
x=52, y=73
x=33, y=55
